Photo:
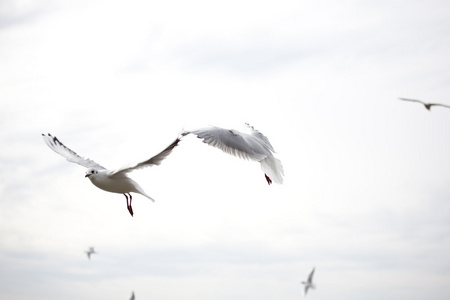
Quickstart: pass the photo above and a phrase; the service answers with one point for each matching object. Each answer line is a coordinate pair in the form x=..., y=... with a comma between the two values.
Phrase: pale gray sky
x=366, y=193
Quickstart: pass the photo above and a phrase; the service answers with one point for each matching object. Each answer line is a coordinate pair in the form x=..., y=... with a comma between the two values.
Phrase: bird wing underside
x=68, y=153
x=233, y=142
x=155, y=160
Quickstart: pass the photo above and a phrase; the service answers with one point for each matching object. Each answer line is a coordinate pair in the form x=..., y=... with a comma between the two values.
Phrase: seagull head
x=91, y=172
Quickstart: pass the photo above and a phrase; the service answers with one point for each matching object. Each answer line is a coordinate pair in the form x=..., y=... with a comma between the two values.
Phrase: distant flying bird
x=90, y=251
x=114, y=181
x=427, y=105
x=132, y=296
x=253, y=145
x=309, y=284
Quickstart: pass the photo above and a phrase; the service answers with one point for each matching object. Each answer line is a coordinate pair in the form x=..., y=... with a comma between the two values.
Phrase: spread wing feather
x=155, y=160
x=310, y=277
x=412, y=100
x=69, y=154
x=247, y=146
x=438, y=104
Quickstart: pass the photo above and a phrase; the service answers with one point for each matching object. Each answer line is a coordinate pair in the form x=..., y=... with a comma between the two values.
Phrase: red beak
x=87, y=175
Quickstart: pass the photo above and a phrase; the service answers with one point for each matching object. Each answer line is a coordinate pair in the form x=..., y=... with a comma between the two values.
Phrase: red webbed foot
x=130, y=209
x=269, y=181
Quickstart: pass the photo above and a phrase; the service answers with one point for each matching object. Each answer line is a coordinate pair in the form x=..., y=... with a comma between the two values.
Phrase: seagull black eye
x=92, y=172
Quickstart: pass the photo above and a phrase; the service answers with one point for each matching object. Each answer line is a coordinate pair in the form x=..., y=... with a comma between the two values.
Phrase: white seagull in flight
x=114, y=181
x=90, y=251
x=309, y=284
x=253, y=145
x=427, y=105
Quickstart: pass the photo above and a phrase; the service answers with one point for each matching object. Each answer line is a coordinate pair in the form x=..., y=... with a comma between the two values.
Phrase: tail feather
x=141, y=191
x=148, y=197
x=273, y=168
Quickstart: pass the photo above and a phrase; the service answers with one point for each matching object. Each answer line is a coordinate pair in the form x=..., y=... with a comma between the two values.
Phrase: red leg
x=130, y=209
x=269, y=181
x=126, y=198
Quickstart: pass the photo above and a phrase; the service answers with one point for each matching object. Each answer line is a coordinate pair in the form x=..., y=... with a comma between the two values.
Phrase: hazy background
x=366, y=192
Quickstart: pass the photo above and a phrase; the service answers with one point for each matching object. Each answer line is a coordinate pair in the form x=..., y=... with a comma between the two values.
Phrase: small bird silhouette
x=90, y=251
x=427, y=105
x=309, y=284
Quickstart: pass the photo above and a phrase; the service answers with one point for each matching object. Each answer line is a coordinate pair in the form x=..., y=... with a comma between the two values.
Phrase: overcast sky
x=366, y=192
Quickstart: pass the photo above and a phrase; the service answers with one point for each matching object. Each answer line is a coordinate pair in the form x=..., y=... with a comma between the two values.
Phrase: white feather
x=253, y=145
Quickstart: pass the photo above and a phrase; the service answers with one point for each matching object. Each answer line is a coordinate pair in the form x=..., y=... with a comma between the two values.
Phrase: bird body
x=89, y=252
x=309, y=283
x=427, y=105
x=114, y=181
x=253, y=145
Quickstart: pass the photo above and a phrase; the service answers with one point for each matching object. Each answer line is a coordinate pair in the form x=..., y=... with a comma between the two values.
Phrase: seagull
x=427, y=105
x=114, y=181
x=132, y=296
x=90, y=251
x=253, y=145
x=309, y=284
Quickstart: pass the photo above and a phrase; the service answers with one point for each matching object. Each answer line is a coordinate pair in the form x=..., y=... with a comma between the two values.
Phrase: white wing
x=306, y=289
x=254, y=146
x=69, y=154
x=261, y=137
x=155, y=160
x=310, y=277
